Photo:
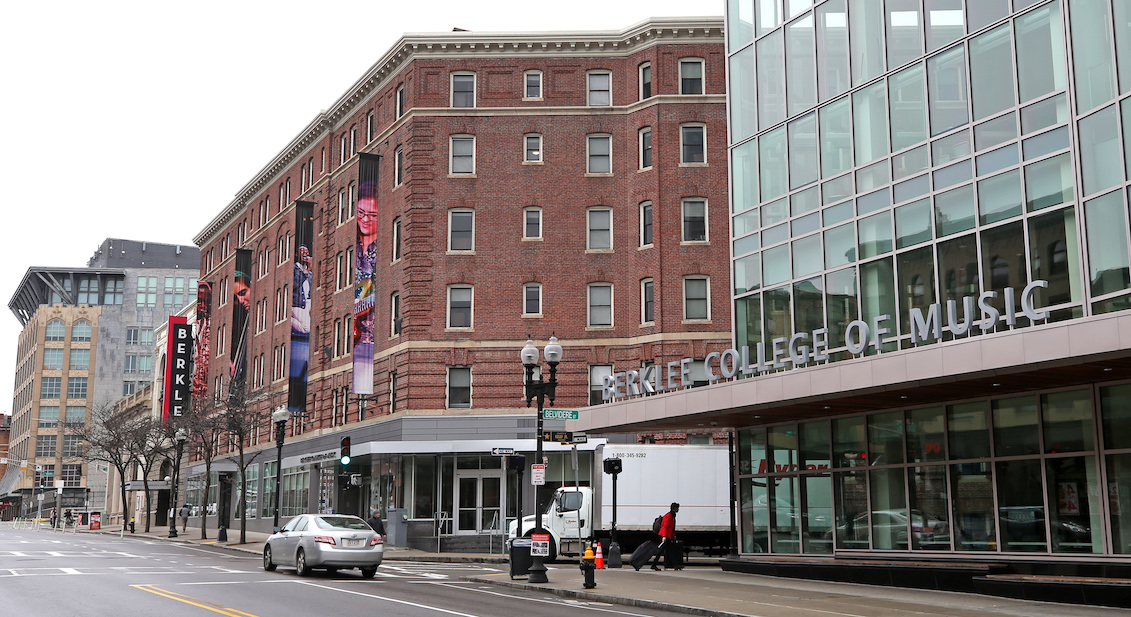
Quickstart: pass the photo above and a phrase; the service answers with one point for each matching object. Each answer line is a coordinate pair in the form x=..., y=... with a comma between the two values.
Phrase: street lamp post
x=279, y=417
x=181, y=435
x=540, y=389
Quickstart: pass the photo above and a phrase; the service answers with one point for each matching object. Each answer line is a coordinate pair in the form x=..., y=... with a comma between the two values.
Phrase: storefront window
x=1015, y=427
x=818, y=513
x=1115, y=406
x=852, y=521
x=1119, y=500
x=890, y=518
x=1068, y=421
x=755, y=515
x=752, y=451
x=926, y=434
x=973, y=496
x=1021, y=506
x=785, y=515
x=850, y=442
x=930, y=522
x=885, y=438
x=424, y=487
x=1074, y=490
x=815, y=445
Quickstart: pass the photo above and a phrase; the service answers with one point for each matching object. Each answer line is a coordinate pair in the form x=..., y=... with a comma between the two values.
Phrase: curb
x=610, y=599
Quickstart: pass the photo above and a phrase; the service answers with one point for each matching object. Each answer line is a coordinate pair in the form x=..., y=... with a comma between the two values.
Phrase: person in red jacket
x=667, y=534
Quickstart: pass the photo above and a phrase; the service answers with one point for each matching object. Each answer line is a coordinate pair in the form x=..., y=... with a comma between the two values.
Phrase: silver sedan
x=326, y=541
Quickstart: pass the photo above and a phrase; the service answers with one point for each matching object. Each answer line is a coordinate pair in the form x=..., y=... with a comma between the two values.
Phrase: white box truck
x=651, y=478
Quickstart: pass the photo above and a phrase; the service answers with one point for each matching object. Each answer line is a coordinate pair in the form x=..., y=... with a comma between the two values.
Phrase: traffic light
x=612, y=465
x=345, y=452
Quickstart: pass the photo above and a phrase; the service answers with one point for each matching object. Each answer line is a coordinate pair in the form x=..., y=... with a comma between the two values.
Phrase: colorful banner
x=178, y=352
x=364, y=295
x=203, y=338
x=241, y=308
x=300, y=306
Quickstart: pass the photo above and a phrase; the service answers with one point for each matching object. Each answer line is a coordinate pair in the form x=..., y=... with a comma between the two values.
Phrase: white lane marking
x=69, y=571
x=394, y=600
x=558, y=601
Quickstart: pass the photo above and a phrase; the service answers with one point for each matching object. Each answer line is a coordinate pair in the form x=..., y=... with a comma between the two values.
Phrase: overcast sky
x=141, y=120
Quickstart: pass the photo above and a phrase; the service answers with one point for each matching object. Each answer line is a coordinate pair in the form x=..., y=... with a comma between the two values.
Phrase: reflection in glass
x=785, y=514
x=951, y=147
x=997, y=131
x=999, y=197
x=885, y=438
x=913, y=223
x=1092, y=64
x=1049, y=182
x=1021, y=511
x=751, y=449
x=748, y=320
x=946, y=78
x=916, y=284
x=777, y=317
x=877, y=294
x=801, y=80
x=803, y=151
x=807, y=256
x=904, y=38
x=1040, y=52
x=840, y=246
x=1074, y=508
x=926, y=435
x=1047, y=143
x=954, y=211
x=1049, y=112
x=755, y=515
x=743, y=97
x=1115, y=406
x=991, y=72
x=890, y=521
x=1068, y=421
x=832, y=49
x=818, y=519
x=972, y=494
x=815, y=441
x=870, y=123
x=1106, y=220
x=740, y=22
x=852, y=520
x=836, y=138
x=875, y=235
x=1054, y=256
x=867, y=39
x=944, y=21
x=840, y=303
x=994, y=160
x=1099, y=151
x=771, y=159
x=930, y=519
x=747, y=274
x=908, y=107
x=908, y=163
x=1015, y=426
x=958, y=268
x=744, y=183
x=809, y=304
x=771, y=83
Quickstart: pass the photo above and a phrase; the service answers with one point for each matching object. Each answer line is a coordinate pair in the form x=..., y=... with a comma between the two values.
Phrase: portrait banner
x=365, y=293
x=241, y=308
x=300, y=306
x=203, y=338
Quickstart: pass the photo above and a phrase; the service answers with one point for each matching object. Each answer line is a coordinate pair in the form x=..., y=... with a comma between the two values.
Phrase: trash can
x=396, y=527
x=520, y=557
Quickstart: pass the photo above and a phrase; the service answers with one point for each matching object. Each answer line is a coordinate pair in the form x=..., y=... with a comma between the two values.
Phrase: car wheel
x=368, y=572
x=300, y=564
x=267, y=563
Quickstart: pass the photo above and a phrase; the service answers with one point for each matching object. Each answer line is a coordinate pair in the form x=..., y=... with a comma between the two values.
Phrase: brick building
x=568, y=183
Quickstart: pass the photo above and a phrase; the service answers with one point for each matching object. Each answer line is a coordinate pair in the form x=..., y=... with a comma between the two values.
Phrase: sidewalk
x=700, y=589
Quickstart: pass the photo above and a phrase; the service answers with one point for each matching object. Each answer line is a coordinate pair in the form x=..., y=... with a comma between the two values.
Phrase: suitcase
x=643, y=553
x=673, y=557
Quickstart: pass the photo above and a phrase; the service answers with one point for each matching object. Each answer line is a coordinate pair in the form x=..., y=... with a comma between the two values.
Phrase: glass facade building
x=890, y=156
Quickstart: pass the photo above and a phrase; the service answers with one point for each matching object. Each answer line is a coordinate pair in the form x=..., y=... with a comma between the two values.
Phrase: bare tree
x=110, y=438
x=205, y=429
x=152, y=444
x=244, y=414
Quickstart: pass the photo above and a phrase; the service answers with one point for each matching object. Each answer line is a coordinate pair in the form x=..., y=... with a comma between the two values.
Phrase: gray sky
x=141, y=120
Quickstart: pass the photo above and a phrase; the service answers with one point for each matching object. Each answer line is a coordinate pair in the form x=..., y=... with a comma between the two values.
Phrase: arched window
x=56, y=331
x=80, y=331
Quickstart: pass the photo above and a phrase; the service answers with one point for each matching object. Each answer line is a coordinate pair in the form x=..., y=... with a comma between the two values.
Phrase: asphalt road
x=55, y=575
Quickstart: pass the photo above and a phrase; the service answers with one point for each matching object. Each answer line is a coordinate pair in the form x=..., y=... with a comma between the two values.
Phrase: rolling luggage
x=643, y=553
x=673, y=557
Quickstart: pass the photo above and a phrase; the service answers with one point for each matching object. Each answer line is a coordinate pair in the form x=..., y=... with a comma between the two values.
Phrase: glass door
x=479, y=502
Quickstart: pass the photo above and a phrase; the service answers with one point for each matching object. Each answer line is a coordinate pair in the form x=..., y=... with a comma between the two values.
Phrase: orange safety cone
x=600, y=558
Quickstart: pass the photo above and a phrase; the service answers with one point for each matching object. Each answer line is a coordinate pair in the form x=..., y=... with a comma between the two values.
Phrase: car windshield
x=341, y=522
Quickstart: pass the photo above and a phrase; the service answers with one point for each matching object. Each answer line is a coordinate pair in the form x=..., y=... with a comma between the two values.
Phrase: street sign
x=537, y=474
x=59, y=483
x=558, y=436
x=39, y=497
x=539, y=545
x=559, y=414
x=502, y=451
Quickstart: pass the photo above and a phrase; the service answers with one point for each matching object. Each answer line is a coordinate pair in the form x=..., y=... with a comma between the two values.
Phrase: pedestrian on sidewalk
x=53, y=517
x=376, y=523
x=667, y=537
x=184, y=517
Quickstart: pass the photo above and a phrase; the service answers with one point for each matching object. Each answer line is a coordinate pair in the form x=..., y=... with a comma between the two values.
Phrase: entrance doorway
x=479, y=501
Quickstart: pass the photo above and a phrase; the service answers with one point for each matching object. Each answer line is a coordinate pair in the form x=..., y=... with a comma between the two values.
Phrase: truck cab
x=568, y=519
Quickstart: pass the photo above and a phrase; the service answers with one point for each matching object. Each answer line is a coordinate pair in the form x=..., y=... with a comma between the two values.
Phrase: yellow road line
x=223, y=610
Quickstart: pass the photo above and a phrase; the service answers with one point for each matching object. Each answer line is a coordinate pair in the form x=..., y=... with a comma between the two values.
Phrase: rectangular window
x=646, y=147
x=645, y=81
x=174, y=291
x=694, y=220
x=147, y=291
x=53, y=359
x=599, y=150
x=597, y=375
x=532, y=88
x=691, y=77
x=394, y=391
x=646, y=224
x=395, y=314
x=129, y=387
x=396, y=238
x=692, y=144
x=600, y=305
x=695, y=304
x=370, y=130
x=460, y=307
x=71, y=476
x=463, y=90
x=532, y=150
x=459, y=386
x=532, y=299
x=72, y=445
x=75, y=416
x=80, y=359
x=88, y=291
x=398, y=166
x=461, y=230
x=50, y=387
x=400, y=100
x=532, y=223
x=49, y=415
x=115, y=289
x=46, y=445
x=600, y=89
x=600, y=229
x=138, y=363
x=462, y=154
x=76, y=387
x=647, y=301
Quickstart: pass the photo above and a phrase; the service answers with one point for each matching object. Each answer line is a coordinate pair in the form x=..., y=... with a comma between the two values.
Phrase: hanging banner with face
x=300, y=306
x=364, y=296
x=241, y=307
x=203, y=338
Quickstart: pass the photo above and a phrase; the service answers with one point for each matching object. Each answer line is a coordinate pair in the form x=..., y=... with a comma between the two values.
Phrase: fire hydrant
x=588, y=567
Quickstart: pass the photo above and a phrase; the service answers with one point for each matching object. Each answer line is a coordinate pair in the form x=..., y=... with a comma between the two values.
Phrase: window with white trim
x=461, y=230
x=396, y=238
x=463, y=89
x=646, y=223
x=692, y=143
x=400, y=100
x=597, y=375
x=645, y=140
x=532, y=223
x=694, y=220
x=691, y=76
x=696, y=298
x=647, y=301
x=645, y=80
x=343, y=148
x=370, y=126
x=600, y=85
x=600, y=304
x=460, y=306
x=532, y=148
x=459, y=387
x=532, y=85
x=395, y=314
x=462, y=154
x=600, y=226
x=532, y=299
x=398, y=166
x=599, y=154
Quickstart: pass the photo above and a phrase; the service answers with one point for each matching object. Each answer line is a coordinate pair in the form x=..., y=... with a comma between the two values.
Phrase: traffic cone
x=600, y=558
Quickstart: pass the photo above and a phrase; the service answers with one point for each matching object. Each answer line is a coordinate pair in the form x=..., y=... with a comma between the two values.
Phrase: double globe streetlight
x=540, y=389
x=181, y=435
x=279, y=417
